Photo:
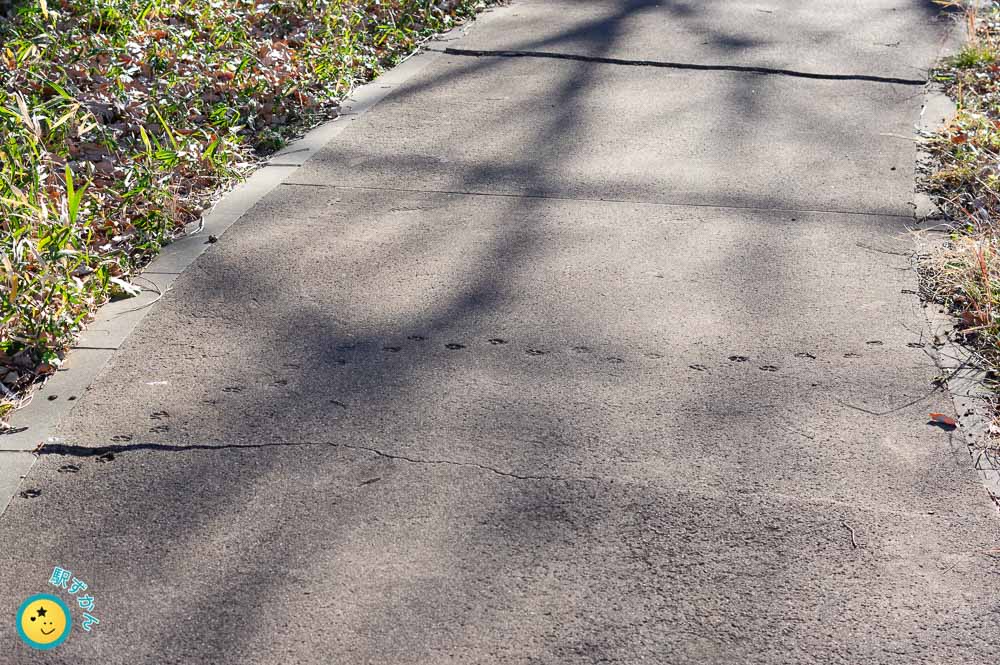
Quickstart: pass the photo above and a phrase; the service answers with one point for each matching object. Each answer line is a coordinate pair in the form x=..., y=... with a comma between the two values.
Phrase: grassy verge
x=964, y=275
x=120, y=120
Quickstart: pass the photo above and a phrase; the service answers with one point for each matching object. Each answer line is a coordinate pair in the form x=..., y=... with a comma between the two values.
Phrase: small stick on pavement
x=854, y=541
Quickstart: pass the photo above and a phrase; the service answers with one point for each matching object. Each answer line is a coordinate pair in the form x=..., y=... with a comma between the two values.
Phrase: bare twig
x=892, y=410
x=854, y=541
x=795, y=431
x=884, y=251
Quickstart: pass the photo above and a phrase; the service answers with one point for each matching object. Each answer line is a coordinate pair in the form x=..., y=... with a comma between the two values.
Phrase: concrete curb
x=34, y=425
x=937, y=110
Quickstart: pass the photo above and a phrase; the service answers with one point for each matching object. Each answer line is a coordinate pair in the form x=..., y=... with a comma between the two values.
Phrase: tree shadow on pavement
x=372, y=457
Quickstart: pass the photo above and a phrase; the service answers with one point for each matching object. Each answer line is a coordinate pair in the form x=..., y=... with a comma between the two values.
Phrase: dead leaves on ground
x=943, y=420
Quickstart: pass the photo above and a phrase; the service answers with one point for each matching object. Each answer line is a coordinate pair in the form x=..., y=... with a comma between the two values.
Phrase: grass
x=964, y=274
x=121, y=120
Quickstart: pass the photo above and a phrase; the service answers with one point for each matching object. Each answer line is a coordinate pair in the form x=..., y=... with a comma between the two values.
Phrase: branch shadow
x=338, y=357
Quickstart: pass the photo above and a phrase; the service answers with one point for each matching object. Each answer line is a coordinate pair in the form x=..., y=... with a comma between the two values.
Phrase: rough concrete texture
x=434, y=400
x=13, y=467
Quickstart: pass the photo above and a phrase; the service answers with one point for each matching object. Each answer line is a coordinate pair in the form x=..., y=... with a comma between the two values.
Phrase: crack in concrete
x=476, y=465
x=874, y=514
x=691, y=66
x=73, y=450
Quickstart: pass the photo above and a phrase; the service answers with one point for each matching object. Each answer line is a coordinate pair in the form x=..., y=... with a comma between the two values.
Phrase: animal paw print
x=768, y=368
x=159, y=429
x=739, y=359
x=121, y=438
x=454, y=346
x=534, y=352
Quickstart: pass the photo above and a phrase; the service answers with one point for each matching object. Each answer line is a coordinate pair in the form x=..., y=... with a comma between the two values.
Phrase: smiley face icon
x=43, y=621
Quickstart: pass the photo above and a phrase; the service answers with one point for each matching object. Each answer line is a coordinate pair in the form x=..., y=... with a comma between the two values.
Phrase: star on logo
x=42, y=611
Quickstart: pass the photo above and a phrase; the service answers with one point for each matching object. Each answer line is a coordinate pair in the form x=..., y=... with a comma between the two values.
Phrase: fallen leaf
x=45, y=369
x=975, y=318
x=944, y=420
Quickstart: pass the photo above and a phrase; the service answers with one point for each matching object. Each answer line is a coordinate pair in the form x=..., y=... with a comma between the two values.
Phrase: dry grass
x=964, y=273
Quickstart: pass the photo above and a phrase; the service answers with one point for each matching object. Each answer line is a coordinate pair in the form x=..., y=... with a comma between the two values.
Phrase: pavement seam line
x=744, y=69
x=667, y=204
x=59, y=448
x=413, y=460
x=63, y=449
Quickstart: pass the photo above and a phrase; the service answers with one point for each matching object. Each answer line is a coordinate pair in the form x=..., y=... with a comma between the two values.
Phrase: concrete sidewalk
x=593, y=342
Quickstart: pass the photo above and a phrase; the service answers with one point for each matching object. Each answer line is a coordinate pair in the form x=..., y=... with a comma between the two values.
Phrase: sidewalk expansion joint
x=73, y=450
x=857, y=510
x=413, y=460
x=668, y=204
x=764, y=71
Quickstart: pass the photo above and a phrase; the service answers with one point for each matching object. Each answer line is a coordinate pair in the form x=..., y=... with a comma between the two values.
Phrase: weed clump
x=965, y=182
